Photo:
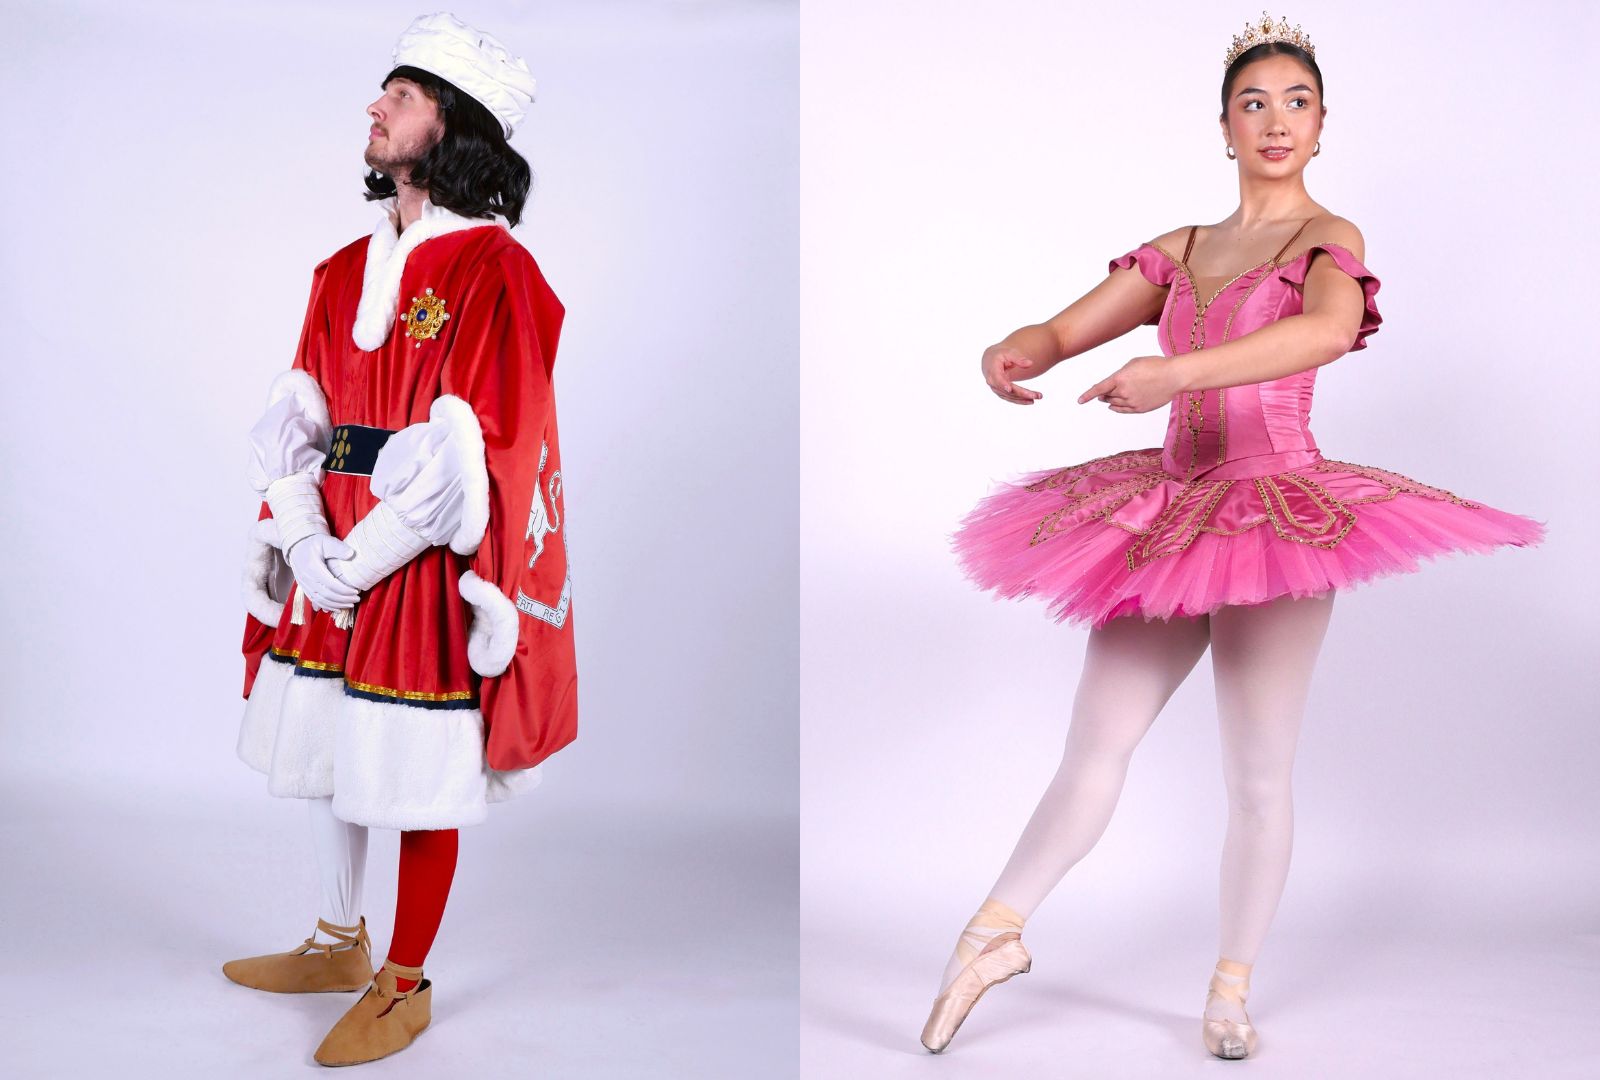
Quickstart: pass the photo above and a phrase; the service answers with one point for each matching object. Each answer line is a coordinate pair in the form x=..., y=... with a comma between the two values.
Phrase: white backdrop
x=159, y=256
x=174, y=172
x=966, y=172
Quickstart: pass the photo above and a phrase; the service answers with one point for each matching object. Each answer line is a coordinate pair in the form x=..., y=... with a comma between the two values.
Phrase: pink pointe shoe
x=1230, y=1039
x=1002, y=958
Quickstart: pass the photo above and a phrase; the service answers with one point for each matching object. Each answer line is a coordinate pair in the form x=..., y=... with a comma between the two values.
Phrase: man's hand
x=377, y=546
x=308, y=558
x=1142, y=384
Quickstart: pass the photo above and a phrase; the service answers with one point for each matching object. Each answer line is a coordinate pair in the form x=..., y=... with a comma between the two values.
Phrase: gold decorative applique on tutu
x=426, y=317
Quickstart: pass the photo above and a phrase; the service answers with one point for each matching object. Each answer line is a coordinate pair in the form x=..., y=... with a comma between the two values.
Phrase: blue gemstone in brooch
x=426, y=317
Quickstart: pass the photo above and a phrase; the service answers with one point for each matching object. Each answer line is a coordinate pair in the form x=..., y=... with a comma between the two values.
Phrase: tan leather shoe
x=383, y=1021
x=315, y=967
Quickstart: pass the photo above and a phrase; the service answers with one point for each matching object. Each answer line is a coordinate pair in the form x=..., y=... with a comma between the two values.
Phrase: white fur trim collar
x=386, y=261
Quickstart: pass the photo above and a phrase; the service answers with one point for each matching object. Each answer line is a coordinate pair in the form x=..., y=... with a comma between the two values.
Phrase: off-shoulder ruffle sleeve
x=1295, y=273
x=1156, y=268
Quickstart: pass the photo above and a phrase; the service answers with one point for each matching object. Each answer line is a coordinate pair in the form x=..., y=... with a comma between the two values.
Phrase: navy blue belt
x=355, y=449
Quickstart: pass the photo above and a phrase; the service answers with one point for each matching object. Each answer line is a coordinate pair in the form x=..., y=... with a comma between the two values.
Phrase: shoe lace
x=346, y=940
x=396, y=995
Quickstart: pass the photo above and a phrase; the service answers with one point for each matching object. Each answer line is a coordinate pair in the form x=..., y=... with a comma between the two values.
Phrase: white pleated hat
x=475, y=62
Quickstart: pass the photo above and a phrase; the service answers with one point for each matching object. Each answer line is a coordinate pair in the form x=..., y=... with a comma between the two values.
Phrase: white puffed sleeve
x=293, y=435
x=433, y=476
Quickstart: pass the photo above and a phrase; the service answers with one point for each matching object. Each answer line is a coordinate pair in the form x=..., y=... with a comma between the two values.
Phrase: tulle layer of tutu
x=1121, y=536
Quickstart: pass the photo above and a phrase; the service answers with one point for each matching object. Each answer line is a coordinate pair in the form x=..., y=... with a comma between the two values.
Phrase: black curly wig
x=471, y=170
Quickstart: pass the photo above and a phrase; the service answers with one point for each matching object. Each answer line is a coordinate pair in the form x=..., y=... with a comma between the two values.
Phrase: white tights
x=1262, y=657
x=342, y=862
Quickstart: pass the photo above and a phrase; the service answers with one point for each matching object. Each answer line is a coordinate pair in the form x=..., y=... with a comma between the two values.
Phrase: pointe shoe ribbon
x=315, y=967
x=384, y=1021
x=1002, y=958
x=1230, y=1038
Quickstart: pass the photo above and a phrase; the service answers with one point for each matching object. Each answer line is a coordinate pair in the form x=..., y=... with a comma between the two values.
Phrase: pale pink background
x=968, y=170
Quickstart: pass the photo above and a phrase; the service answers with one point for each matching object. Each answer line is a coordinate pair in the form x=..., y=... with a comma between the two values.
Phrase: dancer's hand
x=1142, y=384
x=1002, y=365
x=308, y=558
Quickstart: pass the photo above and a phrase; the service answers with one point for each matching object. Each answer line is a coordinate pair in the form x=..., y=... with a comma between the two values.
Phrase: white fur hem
x=464, y=428
x=386, y=764
x=386, y=262
x=397, y=766
x=513, y=782
x=295, y=381
x=288, y=730
x=259, y=727
x=492, y=639
x=264, y=571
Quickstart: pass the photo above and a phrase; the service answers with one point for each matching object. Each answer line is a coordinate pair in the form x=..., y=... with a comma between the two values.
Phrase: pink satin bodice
x=1241, y=431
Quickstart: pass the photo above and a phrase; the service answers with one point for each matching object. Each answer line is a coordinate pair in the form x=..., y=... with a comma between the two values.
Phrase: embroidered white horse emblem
x=543, y=519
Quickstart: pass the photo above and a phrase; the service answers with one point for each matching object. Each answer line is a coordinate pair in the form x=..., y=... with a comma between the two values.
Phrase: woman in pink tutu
x=1235, y=534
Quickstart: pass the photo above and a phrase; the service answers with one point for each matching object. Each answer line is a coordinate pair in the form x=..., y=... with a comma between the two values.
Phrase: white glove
x=432, y=488
x=379, y=545
x=296, y=503
x=308, y=558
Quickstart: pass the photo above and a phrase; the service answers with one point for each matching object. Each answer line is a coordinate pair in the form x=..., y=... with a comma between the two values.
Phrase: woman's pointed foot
x=1003, y=957
x=1224, y=1035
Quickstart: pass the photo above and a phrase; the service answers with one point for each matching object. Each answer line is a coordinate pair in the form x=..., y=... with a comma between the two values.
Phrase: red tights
x=427, y=865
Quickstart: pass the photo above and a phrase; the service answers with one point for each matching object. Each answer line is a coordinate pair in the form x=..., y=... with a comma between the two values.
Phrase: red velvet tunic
x=408, y=644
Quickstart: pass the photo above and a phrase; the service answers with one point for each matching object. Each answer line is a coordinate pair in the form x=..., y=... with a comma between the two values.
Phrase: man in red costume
x=422, y=666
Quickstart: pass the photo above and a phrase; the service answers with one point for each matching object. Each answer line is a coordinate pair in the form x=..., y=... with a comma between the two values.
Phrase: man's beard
x=397, y=165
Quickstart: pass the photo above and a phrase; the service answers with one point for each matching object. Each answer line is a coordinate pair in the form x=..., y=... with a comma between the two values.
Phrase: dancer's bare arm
x=1122, y=302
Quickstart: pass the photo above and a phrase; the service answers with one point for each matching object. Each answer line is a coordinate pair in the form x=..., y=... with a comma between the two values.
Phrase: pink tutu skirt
x=1122, y=536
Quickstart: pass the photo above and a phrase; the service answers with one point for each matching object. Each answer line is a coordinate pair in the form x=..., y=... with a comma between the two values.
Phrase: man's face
x=405, y=126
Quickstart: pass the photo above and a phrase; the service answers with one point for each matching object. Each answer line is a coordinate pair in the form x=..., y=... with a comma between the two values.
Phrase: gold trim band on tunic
x=371, y=688
x=314, y=665
x=408, y=695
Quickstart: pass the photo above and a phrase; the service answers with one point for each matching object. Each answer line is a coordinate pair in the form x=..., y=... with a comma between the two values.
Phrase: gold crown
x=1263, y=32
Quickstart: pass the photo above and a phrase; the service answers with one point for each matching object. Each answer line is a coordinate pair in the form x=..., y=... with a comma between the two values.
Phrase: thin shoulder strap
x=1190, y=245
x=1291, y=239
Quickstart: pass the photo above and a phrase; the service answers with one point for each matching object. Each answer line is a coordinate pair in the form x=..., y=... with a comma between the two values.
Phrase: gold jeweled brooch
x=426, y=317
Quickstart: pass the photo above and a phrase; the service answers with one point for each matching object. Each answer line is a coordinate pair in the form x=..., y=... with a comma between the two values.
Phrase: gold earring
x=1231, y=155
x=1318, y=150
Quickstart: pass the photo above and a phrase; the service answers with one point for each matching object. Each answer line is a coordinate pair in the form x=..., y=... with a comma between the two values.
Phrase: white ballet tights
x=1262, y=660
x=1262, y=665
x=342, y=862
x=1130, y=669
